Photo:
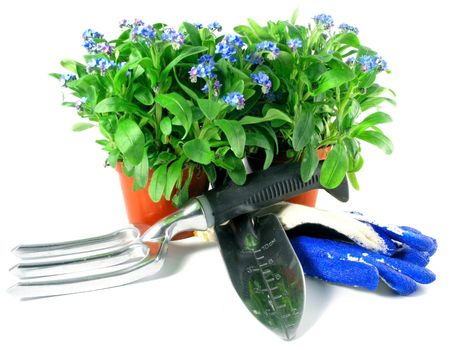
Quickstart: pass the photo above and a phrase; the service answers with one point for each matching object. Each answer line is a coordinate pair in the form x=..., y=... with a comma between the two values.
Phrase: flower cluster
x=65, y=78
x=141, y=31
x=235, y=99
x=269, y=47
x=228, y=47
x=204, y=69
x=198, y=25
x=294, y=44
x=89, y=37
x=368, y=63
x=101, y=64
x=174, y=37
x=262, y=79
x=324, y=20
x=348, y=28
x=214, y=26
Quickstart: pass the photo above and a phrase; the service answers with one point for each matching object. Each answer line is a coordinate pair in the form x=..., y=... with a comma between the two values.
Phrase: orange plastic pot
x=143, y=212
x=309, y=198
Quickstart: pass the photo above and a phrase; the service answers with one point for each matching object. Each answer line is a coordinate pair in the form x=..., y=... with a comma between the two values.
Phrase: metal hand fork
x=124, y=257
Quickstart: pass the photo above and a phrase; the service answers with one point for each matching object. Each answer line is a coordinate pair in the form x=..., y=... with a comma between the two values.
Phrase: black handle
x=261, y=190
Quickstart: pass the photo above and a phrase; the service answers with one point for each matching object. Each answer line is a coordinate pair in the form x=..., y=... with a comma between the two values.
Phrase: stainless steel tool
x=123, y=257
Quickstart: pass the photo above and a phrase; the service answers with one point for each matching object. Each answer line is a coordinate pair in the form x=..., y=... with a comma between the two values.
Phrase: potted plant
x=172, y=104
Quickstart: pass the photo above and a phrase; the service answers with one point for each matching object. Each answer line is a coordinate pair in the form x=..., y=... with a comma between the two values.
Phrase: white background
x=53, y=186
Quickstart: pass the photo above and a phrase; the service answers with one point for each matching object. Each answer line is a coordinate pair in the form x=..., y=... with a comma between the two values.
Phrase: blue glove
x=353, y=250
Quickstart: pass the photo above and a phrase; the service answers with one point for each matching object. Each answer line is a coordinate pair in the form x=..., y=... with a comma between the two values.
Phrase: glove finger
x=414, y=256
x=397, y=281
x=423, y=242
x=415, y=272
x=318, y=260
x=405, y=234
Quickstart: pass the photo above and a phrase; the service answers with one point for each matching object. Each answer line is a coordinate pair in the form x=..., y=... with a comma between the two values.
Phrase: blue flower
x=203, y=69
x=90, y=45
x=206, y=59
x=138, y=22
x=294, y=44
x=198, y=25
x=382, y=64
x=226, y=50
x=235, y=40
x=214, y=26
x=270, y=47
x=262, y=79
x=176, y=38
x=104, y=47
x=103, y=64
x=324, y=20
x=350, y=60
x=235, y=99
x=216, y=88
x=65, y=78
x=124, y=23
x=143, y=32
x=91, y=34
x=79, y=104
x=348, y=28
x=256, y=59
x=367, y=62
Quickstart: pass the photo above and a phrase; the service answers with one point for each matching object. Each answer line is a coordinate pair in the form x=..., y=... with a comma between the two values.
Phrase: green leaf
x=375, y=101
x=173, y=174
x=118, y=104
x=179, y=107
x=210, y=171
x=73, y=66
x=303, y=129
x=237, y=172
x=353, y=180
x=193, y=33
x=271, y=114
x=165, y=157
x=260, y=31
x=247, y=31
x=182, y=54
x=339, y=74
x=235, y=134
x=334, y=167
x=348, y=38
x=157, y=184
x=198, y=151
x=166, y=126
x=185, y=88
x=283, y=65
x=210, y=109
x=295, y=14
x=371, y=120
x=113, y=158
x=130, y=141
x=367, y=79
x=141, y=173
x=183, y=195
x=82, y=126
x=378, y=139
x=309, y=163
x=144, y=95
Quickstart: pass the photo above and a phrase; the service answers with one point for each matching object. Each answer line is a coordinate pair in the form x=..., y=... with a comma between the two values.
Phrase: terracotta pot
x=307, y=198
x=143, y=212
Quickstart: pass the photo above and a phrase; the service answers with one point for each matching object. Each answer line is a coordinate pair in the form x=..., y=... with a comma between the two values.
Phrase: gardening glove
x=350, y=249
